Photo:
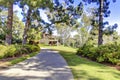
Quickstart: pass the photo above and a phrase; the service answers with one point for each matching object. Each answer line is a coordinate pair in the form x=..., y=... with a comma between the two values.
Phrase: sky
x=114, y=16
x=42, y=13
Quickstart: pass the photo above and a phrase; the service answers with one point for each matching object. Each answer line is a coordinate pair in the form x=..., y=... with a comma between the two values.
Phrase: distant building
x=49, y=39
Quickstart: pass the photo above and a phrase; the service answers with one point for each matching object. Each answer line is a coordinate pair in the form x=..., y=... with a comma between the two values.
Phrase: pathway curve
x=47, y=65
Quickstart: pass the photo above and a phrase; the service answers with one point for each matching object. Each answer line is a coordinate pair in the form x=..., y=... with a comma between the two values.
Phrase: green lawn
x=84, y=69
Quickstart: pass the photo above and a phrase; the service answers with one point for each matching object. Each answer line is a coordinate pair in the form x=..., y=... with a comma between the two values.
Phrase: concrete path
x=47, y=65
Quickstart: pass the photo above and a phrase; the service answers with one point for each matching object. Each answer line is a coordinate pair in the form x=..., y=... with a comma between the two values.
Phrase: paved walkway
x=47, y=65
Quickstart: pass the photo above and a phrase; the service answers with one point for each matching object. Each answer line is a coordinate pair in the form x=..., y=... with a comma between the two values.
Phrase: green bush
x=10, y=52
x=17, y=50
x=20, y=50
x=109, y=53
x=2, y=50
x=31, y=48
x=88, y=51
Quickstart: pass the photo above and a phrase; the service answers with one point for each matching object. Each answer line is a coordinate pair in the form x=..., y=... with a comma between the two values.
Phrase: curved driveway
x=47, y=65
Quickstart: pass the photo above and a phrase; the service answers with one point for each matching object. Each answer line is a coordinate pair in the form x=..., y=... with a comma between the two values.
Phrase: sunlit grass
x=84, y=69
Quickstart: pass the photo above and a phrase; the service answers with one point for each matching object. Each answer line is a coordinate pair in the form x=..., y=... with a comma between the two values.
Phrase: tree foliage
x=102, y=11
x=31, y=12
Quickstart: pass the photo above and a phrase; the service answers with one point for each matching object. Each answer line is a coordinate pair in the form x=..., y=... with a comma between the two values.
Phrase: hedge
x=109, y=53
x=17, y=50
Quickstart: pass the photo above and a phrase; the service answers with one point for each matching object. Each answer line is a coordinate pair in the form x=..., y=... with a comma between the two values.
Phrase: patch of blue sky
x=19, y=10
x=114, y=15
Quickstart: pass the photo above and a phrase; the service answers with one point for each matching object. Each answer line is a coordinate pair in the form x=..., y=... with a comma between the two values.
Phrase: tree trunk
x=8, y=39
x=100, y=36
x=27, y=24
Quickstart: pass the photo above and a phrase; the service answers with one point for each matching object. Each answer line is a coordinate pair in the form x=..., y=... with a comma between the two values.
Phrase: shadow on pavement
x=48, y=65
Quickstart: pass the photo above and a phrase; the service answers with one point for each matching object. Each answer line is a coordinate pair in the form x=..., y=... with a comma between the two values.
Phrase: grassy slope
x=17, y=60
x=84, y=69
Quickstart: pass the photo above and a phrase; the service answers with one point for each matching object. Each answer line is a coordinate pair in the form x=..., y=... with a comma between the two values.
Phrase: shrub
x=2, y=50
x=17, y=50
x=105, y=53
x=10, y=52
x=31, y=48
x=20, y=50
